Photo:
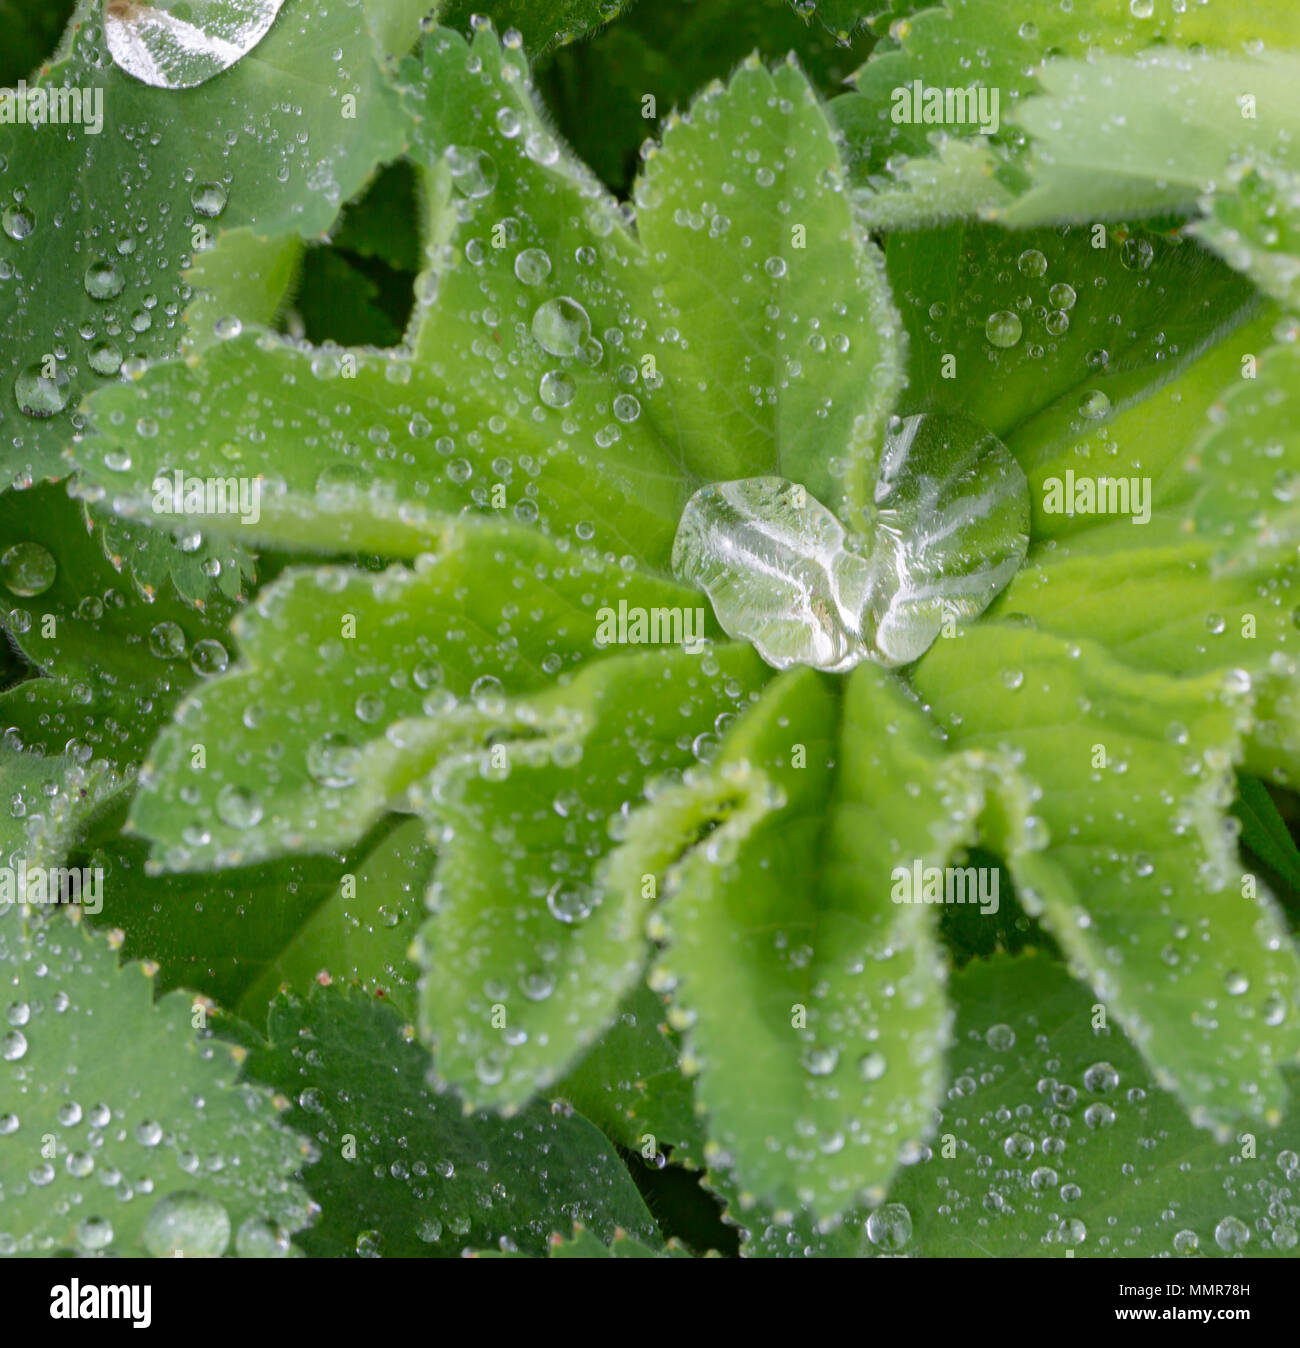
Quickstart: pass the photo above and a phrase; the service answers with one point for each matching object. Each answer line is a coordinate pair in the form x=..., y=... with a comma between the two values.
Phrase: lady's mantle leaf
x=120, y=1130
x=1053, y=1139
x=402, y=1171
x=560, y=367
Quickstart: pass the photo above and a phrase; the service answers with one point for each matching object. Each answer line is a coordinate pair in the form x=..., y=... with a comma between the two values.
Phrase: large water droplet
x=18, y=223
x=40, y=394
x=1003, y=328
x=27, y=569
x=945, y=532
x=208, y=199
x=176, y=44
x=103, y=280
x=187, y=1224
x=561, y=326
x=890, y=1227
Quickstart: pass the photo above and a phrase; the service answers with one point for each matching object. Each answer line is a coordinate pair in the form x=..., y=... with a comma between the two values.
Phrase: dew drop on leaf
x=208, y=199
x=105, y=358
x=238, y=807
x=27, y=569
x=187, y=1224
x=532, y=266
x=1003, y=328
x=177, y=44
x=561, y=326
x=556, y=389
x=890, y=1227
x=17, y=222
x=167, y=641
x=40, y=394
x=1031, y=262
x=104, y=279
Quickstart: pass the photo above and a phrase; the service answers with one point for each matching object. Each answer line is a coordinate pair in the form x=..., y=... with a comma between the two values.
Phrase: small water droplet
x=1003, y=328
x=40, y=394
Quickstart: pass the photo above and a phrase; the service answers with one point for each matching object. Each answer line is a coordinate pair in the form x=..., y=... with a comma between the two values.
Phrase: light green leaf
x=812, y=1004
x=1131, y=773
x=559, y=372
x=1148, y=135
x=388, y=674
x=1256, y=229
x=1249, y=464
x=1019, y=43
x=538, y=926
x=739, y=202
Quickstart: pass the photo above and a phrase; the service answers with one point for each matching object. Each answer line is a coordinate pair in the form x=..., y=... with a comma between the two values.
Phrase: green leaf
x=220, y=934
x=67, y=604
x=1064, y=295
x=388, y=674
x=585, y=1246
x=402, y=1172
x=783, y=373
x=340, y=302
x=1054, y=1139
x=1149, y=135
x=581, y=399
x=131, y=206
x=124, y=1132
x=361, y=934
x=383, y=224
x=1021, y=44
x=597, y=90
x=30, y=34
x=1265, y=832
x=1246, y=464
x=631, y=1084
x=543, y=25
x=1256, y=229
